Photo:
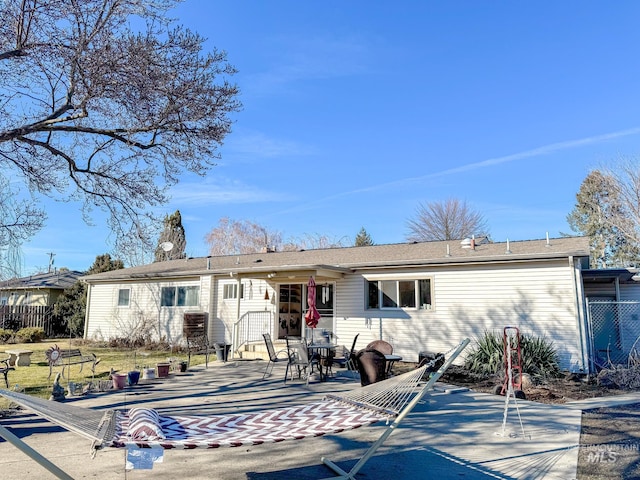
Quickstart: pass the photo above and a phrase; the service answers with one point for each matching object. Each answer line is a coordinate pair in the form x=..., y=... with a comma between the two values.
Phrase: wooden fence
x=15, y=317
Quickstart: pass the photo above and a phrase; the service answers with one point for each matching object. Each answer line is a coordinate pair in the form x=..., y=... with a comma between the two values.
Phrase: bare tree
x=236, y=237
x=19, y=220
x=452, y=219
x=97, y=111
x=315, y=241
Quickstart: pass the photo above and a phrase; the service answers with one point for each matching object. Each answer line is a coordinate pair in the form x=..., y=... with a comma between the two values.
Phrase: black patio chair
x=273, y=355
x=372, y=366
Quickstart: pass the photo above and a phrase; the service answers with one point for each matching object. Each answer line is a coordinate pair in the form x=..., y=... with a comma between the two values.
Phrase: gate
x=613, y=332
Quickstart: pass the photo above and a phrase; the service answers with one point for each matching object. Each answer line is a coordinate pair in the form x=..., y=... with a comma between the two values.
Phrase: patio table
x=324, y=352
x=391, y=359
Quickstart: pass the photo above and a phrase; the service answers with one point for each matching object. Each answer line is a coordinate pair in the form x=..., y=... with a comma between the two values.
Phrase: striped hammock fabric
x=268, y=426
x=382, y=401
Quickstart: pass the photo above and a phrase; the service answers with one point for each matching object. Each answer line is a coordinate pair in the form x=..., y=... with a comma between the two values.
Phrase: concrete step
x=259, y=350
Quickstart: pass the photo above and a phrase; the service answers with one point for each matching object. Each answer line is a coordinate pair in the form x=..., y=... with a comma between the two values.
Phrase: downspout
x=234, y=338
x=86, y=313
x=580, y=311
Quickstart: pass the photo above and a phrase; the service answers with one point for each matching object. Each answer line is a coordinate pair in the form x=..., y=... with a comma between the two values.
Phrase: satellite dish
x=166, y=246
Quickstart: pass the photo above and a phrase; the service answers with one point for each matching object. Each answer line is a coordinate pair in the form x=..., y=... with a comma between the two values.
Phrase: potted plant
x=133, y=376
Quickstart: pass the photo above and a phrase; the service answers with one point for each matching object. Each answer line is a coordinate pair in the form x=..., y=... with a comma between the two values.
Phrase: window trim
x=177, y=296
x=233, y=294
x=378, y=287
x=124, y=305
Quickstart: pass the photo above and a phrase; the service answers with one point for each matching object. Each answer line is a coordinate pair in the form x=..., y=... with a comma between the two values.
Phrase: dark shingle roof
x=58, y=280
x=353, y=258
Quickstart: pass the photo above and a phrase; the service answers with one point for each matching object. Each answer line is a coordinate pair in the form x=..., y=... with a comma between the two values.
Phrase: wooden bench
x=72, y=356
x=4, y=369
x=198, y=344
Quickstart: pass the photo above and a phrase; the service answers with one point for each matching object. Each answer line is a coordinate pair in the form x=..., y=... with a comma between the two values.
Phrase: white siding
x=538, y=298
x=224, y=312
x=105, y=319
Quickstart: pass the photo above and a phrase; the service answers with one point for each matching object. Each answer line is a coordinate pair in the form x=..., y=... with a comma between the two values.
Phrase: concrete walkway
x=448, y=436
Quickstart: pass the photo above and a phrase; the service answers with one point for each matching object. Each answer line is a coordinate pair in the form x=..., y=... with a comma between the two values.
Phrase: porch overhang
x=609, y=275
x=291, y=273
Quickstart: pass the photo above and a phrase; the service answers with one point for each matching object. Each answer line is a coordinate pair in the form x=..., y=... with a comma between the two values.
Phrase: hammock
x=388, y=400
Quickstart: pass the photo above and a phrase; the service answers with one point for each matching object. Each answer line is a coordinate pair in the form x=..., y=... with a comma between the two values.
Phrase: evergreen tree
x=363, y=239
x=70, y=307
x=173, y=234
x=600, y=214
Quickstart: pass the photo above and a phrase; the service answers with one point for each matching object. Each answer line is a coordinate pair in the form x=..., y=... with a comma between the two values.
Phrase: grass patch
x=35, y=380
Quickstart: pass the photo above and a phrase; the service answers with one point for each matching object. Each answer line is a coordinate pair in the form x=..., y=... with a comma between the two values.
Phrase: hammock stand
x=391, y=399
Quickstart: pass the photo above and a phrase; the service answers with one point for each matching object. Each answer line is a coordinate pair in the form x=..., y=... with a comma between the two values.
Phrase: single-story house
x=41, y=290
x=418, y=296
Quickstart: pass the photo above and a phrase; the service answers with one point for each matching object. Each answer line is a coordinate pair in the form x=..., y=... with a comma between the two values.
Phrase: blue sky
x=355, y=112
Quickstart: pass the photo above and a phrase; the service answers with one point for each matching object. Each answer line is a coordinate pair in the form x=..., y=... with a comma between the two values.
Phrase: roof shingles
x=401, y=254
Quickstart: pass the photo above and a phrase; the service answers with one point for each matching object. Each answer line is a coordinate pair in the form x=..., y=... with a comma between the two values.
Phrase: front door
x=290, y=310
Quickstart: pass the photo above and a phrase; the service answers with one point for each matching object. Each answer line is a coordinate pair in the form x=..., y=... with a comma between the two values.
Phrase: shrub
x=538, y=356
x=485, y=357
x=5, y=335
x=30, y=335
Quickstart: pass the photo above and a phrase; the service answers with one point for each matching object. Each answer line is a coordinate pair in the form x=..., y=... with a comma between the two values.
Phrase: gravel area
x=610, y=443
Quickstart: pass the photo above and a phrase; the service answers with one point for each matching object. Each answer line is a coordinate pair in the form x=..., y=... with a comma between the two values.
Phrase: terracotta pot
x=119, y=380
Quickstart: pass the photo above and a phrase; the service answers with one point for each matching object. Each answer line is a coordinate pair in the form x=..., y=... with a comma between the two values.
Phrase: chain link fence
x=614, y=332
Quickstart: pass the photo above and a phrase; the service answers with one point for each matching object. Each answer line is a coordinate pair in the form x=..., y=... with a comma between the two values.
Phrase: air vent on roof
x=468, y=243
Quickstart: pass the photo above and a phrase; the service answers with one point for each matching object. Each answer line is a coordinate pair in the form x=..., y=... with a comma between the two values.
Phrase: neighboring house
x=419, y=296
x=39, y=290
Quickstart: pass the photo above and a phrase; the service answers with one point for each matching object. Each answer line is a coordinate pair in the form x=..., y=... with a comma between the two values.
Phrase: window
x=123, y=297
x=383, y=294
x=180, y=296
x=230, y=290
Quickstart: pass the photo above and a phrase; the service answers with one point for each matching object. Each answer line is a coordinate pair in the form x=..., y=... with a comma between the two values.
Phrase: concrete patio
x=451, y=434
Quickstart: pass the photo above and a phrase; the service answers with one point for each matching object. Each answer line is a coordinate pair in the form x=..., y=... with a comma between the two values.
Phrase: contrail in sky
x=536, y=152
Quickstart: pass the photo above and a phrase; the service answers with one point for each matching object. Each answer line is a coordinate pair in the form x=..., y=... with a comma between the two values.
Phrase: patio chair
x=198, y=344
x=298, y=359
x=372, y=366
x=273, y=355
x=380, y=345
x=352, y=364
x=348, y=358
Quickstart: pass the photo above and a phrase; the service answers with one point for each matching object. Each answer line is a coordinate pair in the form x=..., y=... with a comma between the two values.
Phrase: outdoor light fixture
x=271, y=275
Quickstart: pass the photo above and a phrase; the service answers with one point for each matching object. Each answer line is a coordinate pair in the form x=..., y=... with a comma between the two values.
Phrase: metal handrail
x=250, y=327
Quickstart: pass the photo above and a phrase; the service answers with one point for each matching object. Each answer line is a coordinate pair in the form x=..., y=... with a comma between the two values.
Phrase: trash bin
x=222, y=351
